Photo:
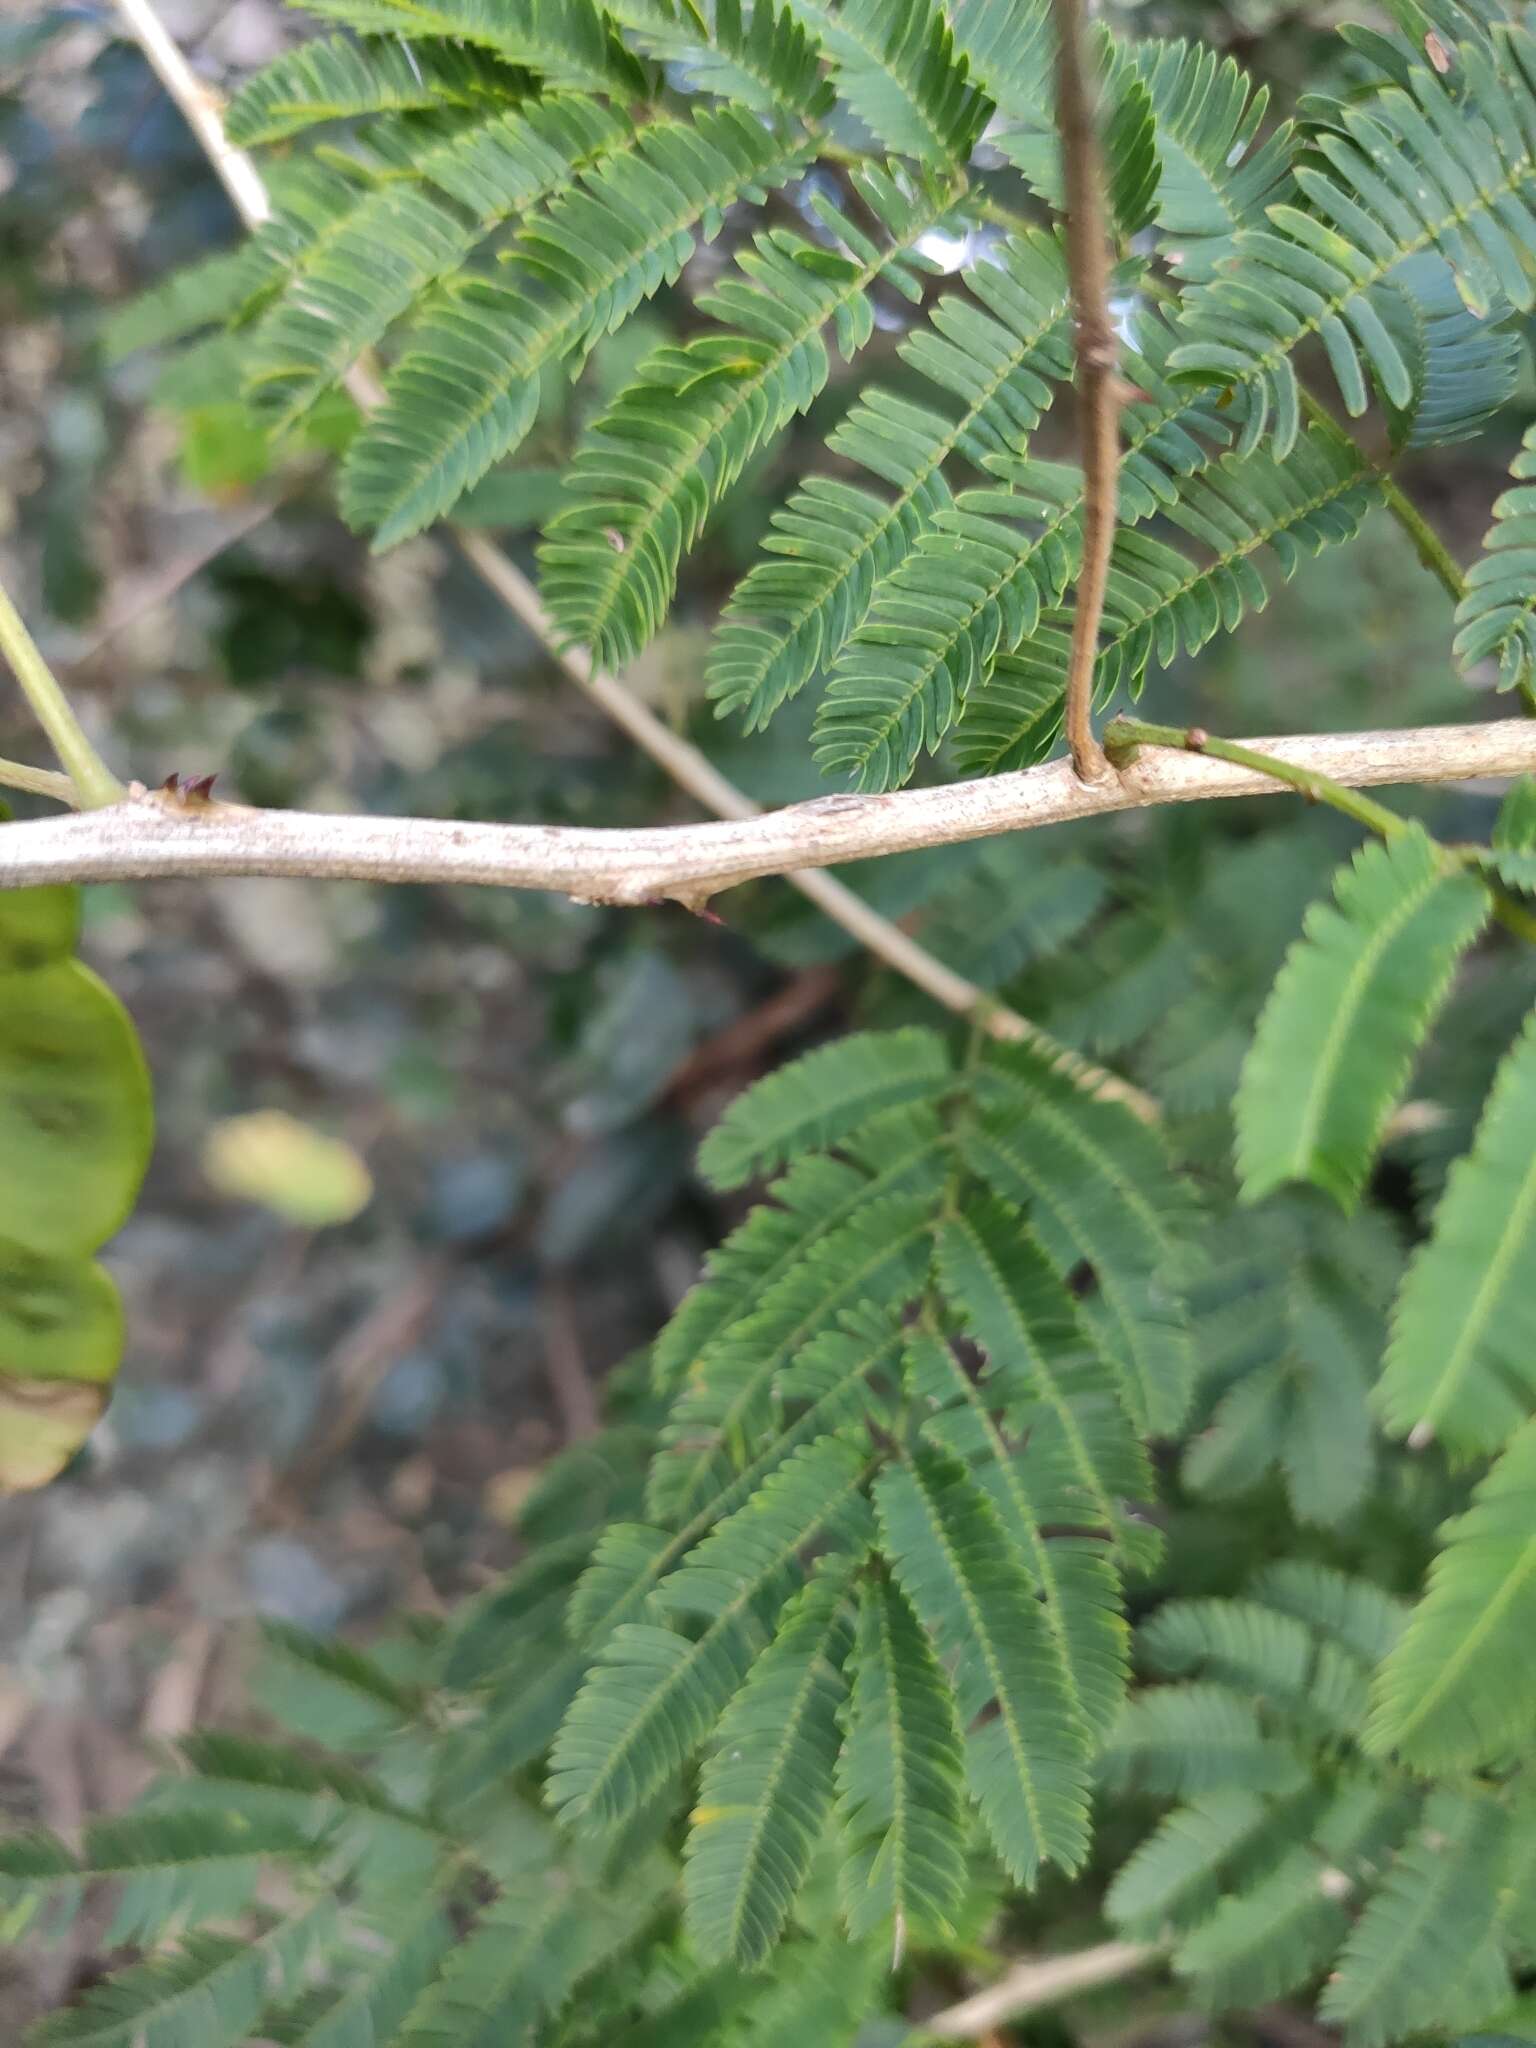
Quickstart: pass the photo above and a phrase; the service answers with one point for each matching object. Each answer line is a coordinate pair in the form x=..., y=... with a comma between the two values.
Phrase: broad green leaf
x=75, y=1116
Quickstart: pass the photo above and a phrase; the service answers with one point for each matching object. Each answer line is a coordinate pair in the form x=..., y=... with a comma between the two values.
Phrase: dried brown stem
x=1098, y=383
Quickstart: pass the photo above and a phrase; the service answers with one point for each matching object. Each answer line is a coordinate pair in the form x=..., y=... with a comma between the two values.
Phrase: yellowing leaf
x=297, y=1172
x=42, y=1425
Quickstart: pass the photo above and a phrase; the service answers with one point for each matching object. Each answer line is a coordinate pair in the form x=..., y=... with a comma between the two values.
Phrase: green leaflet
x=900, y=1775
x=568, y=42
x=766, y=1790
x=1026, y=1765
x=660, y=458
x=902, y=1151
x=1464, y=368
x=163, y=1868
x=406, y=1952
x=655, y=1695
x=1497, y=617
x=1174, y=1879
x=736, y=1389
x=502, y=1985
x=1181, y=1741
x=765, y=61
x=817, y=1101
x=466, y=389
x=386, y=246
x=980, y=578
x=1213, y=180
x=836, y=542
x=1353, y=1001
x=1405, y=1963
x=1459, y=1365
x=334, y=78
x=1455, y=1693
x=1096, y=1185
x=1027, y=1466
x=1407, y=170
x=209, y=1992
x=894, y=62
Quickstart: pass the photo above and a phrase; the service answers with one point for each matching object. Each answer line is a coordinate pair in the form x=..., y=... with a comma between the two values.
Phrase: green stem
x=1125, y=735
x=1427, y=544
x=95, y=786
x=36, y=781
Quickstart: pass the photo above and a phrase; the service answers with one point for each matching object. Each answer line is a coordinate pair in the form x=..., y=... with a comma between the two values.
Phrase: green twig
x=1125, y=735
x=36, y=781
x=94, y=785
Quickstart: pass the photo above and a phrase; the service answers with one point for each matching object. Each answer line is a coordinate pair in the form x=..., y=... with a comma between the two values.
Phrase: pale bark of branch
x=156, y=836
x=1031, y=1985
x=684, y=763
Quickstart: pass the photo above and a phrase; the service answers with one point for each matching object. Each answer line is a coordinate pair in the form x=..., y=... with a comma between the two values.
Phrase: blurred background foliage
x=334, y=1403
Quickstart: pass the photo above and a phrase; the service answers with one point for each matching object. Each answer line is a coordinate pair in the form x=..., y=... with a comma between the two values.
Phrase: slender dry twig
x=149, y=593
x=1034, y=1984
x=681, y=761
x=157, y=834
x=1098, y=383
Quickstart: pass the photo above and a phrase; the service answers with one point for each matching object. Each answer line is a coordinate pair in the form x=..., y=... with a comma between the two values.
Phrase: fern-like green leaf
x=655, y=1695
x=1464, y=369
x=1352, y=1004
x=900, y=1777
x=202, y=295
x=658, y=461
x=763, y=59
x=894, y=62
x=333, y=78
x=1214, y=180
x=835, y=541
x=902, y=1152
x=1403, y=1963
x=1026, y=1765
x=504, y=1983
x=466, y=389
x=361, y=270
x=1462, y=1361
x=978, y=583
x=1456, y=1692
x=1269, y=1938
x=735, y=1393
x=569, y=43
x=1097, y=1185
x=1180, y=1741
x=208, y=1993
x=766, y=1791
x=168, y=1871
x=1445, y=163
x=1042, y=1367
x=399, y=1958
x=1028, y=1465
x=819, y=1099
x=1174, y=1879
x=1497, y=617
